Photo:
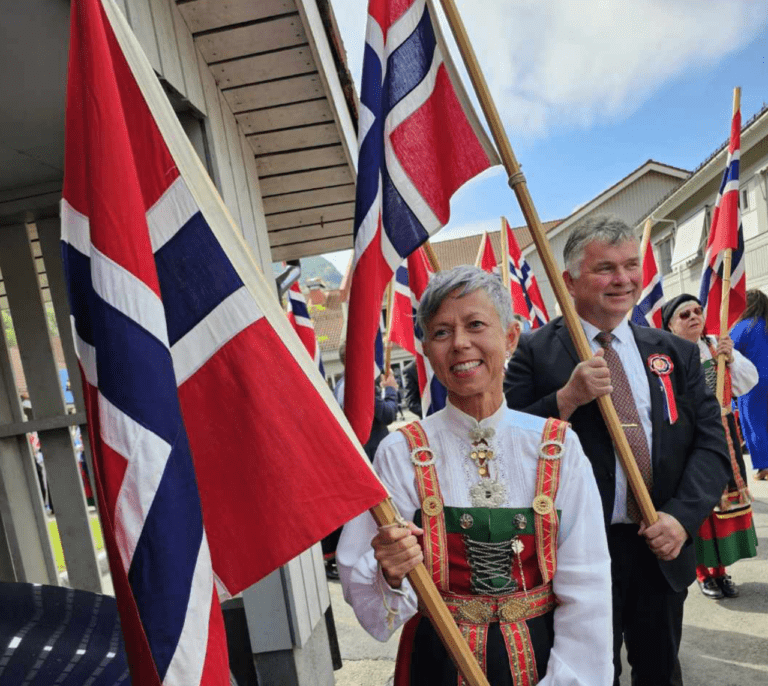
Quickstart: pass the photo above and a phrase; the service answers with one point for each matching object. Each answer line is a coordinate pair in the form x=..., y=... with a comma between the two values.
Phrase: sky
x=590, y=90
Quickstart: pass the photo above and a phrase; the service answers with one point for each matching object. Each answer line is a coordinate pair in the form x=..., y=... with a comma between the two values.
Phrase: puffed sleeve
x=744, y=374
x=379, y=608
x=582, y=653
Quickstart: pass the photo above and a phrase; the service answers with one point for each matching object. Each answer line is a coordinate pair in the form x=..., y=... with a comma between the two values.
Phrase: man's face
x=609, y=284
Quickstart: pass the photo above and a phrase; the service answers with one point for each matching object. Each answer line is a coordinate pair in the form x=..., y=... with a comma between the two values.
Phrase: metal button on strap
x=432, y=506
x=542, y=504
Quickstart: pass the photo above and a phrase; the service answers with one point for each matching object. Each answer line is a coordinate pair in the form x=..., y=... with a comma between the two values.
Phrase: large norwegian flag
x=486, y=258
x=526, y=296
x=419, y=142
x=193, y=377
x=298, y=315
x=647, y=312
x=410, y=283
x=725, y=232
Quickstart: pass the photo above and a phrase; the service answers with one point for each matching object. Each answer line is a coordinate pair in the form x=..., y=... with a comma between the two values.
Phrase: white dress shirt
x=634, y=367
x=583, y=647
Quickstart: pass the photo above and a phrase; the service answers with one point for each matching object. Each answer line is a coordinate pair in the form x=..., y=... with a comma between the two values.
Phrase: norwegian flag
x=411, y=281
x=486, y=258
x=298, y=315
x=725, y=232
x=419, y=143
x=526, y=296
x=181, y=348
x=647, y=312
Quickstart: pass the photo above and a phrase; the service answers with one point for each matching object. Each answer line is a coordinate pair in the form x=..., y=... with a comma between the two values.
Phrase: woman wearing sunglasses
x=728, y=534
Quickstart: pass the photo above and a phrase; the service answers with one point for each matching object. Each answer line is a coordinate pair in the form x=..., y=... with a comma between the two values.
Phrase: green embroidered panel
x=488, y=524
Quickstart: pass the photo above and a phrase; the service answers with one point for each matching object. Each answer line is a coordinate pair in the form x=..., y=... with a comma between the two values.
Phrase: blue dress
x=750, y=339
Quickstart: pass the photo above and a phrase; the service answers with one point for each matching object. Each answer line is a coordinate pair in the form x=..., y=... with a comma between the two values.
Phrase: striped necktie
x=624, y=402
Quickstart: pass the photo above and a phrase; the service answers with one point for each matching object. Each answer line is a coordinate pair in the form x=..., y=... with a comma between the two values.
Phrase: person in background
x=412, y=390
x=728, y=534
x=750, y=338
x=507, y=517
x=672, y=424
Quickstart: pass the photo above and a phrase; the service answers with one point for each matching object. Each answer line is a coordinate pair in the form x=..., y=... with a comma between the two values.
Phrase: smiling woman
x=502, y=508
x=467, y=318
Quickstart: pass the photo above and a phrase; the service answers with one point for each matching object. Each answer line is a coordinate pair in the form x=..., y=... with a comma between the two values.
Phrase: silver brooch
x=520, y=521
x=466, y=521
x=488, y=493
x=478, y=433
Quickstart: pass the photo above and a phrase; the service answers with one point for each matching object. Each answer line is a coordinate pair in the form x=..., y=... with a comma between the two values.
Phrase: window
x=744, y=200
x=664, y=251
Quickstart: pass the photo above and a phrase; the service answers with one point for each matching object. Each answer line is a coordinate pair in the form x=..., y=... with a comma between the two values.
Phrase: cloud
x=570, y=63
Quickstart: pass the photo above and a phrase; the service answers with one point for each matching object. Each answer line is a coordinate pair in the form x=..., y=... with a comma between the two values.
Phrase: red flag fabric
x=203, y=422
x=410, y=283
x=725, y=233
x=402, y=323
x=298, y=315
x=419, y=143
x=526, y=296
x=647, y=312
x=486, y=258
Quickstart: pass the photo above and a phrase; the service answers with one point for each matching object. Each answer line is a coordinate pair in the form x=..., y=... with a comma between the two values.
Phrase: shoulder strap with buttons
x=433, y=520
x=546, y=522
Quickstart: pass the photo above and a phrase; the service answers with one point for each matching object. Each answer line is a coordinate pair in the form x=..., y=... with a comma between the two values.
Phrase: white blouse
x=582, y=654
x=744, y=374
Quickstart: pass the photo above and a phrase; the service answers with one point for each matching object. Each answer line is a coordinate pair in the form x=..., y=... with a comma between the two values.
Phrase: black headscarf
x=668, y=310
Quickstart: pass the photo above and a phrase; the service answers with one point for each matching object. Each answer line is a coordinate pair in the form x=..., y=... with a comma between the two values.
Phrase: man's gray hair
x=607, y=229
x=468, y=279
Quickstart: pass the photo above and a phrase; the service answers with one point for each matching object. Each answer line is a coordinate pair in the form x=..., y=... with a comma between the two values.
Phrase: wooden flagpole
x=387, y=343
x=646, y=238
x=480, y=250
x=725, y=293
x=519, y=186
x=429, y=251
x=504, y=254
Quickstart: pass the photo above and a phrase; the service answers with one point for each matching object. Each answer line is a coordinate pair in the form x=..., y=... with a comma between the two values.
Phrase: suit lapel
x=565, y=339
x=649, y=342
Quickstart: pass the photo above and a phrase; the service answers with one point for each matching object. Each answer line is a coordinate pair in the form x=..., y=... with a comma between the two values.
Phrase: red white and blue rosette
x=662, y=366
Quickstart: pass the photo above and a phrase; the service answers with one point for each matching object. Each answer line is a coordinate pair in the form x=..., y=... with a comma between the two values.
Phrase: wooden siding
x=273, y=65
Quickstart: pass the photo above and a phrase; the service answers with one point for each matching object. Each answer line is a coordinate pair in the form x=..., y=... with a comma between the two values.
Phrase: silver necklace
x=487, y=492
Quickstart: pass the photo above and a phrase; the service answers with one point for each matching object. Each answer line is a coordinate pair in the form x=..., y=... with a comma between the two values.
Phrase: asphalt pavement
x=725, y=642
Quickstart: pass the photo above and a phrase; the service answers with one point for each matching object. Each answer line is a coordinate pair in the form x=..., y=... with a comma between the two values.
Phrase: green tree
x=10, y=334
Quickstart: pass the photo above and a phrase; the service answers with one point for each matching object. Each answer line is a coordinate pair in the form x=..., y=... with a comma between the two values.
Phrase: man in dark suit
x=686, y=459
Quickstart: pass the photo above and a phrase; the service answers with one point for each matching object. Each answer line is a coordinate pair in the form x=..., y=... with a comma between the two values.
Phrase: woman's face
x=466, y=346
x=688, y=321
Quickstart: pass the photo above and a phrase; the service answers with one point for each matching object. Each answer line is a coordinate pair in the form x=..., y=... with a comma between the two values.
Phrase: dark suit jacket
x=384, y=413
x=412, y=391
x=690, y=457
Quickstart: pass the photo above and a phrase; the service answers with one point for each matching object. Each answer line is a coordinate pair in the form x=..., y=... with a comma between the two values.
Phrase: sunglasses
x=687, y=313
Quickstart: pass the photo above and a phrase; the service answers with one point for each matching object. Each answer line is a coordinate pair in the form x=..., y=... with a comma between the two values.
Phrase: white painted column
x=27, y=309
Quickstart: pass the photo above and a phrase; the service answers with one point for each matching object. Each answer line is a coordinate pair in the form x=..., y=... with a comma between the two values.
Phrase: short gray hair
x=469, y=279
x=611, y=230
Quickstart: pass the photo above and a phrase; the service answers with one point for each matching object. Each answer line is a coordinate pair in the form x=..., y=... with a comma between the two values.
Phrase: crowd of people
x=514, y=497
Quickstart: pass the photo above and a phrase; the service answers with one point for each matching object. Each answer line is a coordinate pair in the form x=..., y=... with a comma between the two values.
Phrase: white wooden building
x=682, y=219
x=263, y=93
